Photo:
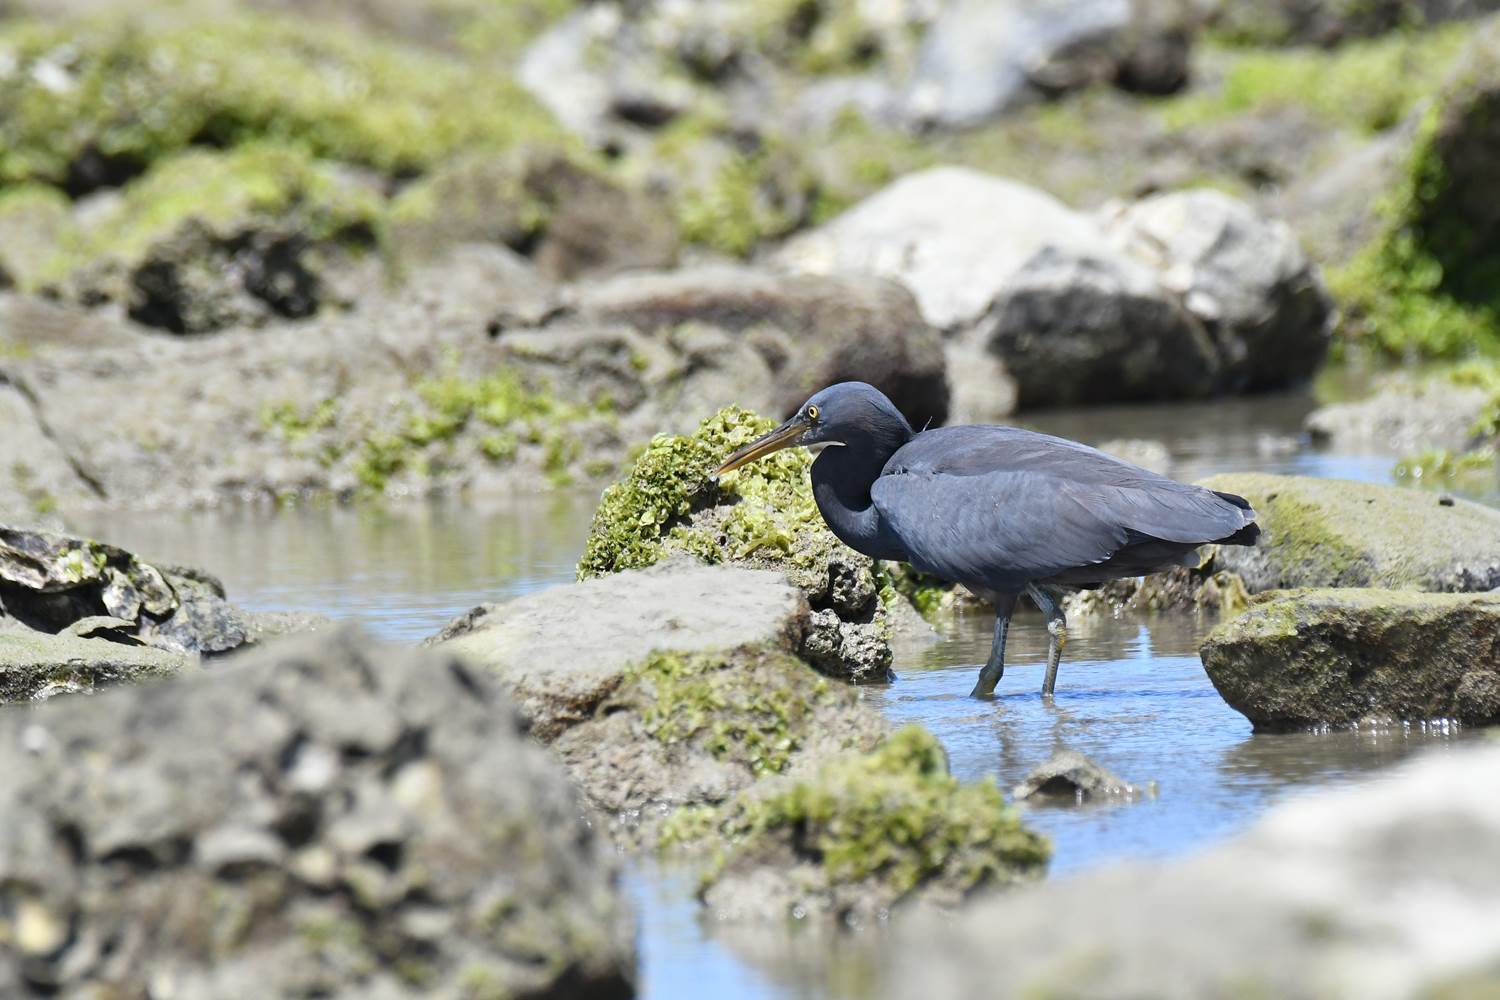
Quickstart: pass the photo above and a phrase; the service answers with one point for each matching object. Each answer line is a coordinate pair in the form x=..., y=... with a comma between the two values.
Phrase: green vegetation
x=753, y=710
x=1478, y=465
x=134, y=96
x=643, y=516
x=929, y=595
x=450, y=404
x=1367, y=85
x=895, y=815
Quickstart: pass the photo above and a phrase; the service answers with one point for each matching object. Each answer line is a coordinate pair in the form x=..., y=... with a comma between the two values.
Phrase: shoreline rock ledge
x=321, y=818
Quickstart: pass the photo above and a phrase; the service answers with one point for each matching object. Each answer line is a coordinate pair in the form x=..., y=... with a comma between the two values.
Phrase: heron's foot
x=1057, y=639
x=989, y=676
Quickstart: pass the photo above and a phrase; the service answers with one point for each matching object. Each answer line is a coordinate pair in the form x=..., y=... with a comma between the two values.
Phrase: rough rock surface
x=1331, y=533
x=812, y=330
x=35, y=666
x=761, y=516
x=324, y=819
x=1317, y=900
x=1243, y=276
x=1069, y=776
x=1328, y=22
x=674, y=685
x=1341, y=657
x=1402, y=417
x=858, y=837
x=1205, y=587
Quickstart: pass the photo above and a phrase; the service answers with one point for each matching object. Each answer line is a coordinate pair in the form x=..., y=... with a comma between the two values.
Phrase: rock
x=859, y=836
x=1330, y=533
x=35, y=666
x=1144, y=452
x=675, y=685
x=1244, y=277
x=1349, y=657
x=104, y=627
x=572, y=221
x=981, y=59
x=1178, y=296
x=1405, y=415
x=954, y=236
x=1070, y=776
x=1088, y=329
x=762, y=516
x=325, y=818
x=49, y=582
x=198, y=279
x=812, y=331
x=1328, y=22
x=37, y=475
x=1312, y=902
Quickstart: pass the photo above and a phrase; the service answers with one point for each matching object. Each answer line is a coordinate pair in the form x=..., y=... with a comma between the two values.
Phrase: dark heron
x=1001, y=510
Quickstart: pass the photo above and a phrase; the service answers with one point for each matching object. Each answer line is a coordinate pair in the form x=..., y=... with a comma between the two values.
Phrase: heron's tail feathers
x=1247, y=534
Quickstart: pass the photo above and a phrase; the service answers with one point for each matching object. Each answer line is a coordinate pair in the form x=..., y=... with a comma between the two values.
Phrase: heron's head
x=849, y=414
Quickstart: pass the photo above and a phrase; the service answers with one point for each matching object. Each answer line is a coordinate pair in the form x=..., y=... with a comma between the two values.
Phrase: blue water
x=1131, y=694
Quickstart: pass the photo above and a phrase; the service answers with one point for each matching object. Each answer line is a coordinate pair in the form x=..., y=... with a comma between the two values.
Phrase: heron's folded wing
x=1001, y=529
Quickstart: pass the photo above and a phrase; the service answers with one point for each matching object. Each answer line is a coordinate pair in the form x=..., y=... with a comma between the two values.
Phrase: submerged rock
x=1404, y=416
x=858, y=837
x=322, y=819
x=1071, y=777
x=675, y=685
x=1342, y=657
x=1315, y=901
x=1331, y=533
x=760, y=516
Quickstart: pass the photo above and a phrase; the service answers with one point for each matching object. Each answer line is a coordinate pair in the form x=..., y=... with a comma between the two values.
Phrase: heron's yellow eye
x=812, y=413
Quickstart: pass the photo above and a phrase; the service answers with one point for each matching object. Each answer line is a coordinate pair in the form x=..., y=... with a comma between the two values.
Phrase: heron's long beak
x=784, y=436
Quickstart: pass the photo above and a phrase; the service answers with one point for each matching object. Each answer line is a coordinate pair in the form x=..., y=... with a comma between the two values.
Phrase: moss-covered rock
x=762, y=515
x=1330, y=533
x=35, y=666
x=89, y=103
x=864, y=833
x=1312, y=658
x=676, y=685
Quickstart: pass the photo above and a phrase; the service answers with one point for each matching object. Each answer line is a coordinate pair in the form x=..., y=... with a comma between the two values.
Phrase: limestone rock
x=322, y=819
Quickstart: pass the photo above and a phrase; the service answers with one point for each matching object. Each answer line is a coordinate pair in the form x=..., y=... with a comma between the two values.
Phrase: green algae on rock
x=763, y=516
x=121, y=97
x=1331, y=533
x=864, y=833
x=1311, y=658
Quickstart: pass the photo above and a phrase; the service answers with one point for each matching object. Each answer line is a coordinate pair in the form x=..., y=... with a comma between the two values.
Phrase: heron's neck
x=841, y=479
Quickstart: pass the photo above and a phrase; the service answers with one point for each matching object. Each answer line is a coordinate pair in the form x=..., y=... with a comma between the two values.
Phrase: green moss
x=1446, y=467
x=931, y=596
x=1367, y=85
x=294, y=422
x=640, y=518
x=752, y=711
x=499, y=405
x=894, y=814
x=137, y=95
x=221, y=189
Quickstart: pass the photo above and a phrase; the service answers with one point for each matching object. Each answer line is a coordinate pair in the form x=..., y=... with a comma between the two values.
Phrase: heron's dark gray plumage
x=1001, y=510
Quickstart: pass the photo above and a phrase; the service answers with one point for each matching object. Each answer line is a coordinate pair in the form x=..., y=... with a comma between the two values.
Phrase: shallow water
x=1131, y=692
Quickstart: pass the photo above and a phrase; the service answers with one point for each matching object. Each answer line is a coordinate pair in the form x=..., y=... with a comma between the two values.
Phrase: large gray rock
x=1327, y=22
x=812, y=331
x=1243, y=276
x=677, y=685
x=325, y=819
x=1330, y=533
x=1177, y=296
x=1317, y=900
x=35, y=666
x=1347, y=657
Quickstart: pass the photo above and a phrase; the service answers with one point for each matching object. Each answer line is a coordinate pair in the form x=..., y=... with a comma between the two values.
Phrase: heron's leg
x=1057, y=634
x=994, y=667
